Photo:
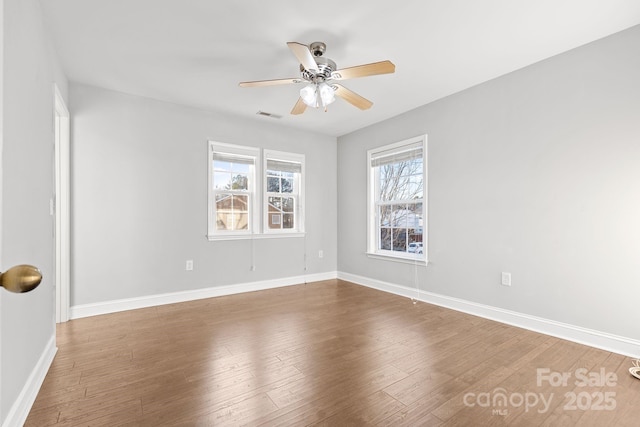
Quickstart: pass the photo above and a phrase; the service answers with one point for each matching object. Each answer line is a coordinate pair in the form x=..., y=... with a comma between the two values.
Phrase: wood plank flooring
x=329, y=354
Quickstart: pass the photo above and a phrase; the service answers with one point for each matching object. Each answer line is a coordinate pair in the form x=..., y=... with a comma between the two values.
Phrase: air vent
x=264, y=113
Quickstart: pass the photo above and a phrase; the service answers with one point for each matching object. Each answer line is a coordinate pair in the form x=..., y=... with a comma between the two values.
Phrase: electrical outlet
x=320, y=254
x=506, y=279
x=189, y=265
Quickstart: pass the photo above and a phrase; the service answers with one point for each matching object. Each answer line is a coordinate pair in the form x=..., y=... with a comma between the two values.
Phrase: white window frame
x=297, y=193
x=373, y=229
x=253, y=196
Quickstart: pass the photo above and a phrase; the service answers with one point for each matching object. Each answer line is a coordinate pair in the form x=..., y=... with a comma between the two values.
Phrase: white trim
x=19, y=411
x=87, y=310
x=283, y=235
x=1, y=179
x=62, y=207
x=602, y=340
x=402, y=259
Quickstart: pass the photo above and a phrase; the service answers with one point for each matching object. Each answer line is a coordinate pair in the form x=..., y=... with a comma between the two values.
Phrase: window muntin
x=283, y=192
x=397, y=220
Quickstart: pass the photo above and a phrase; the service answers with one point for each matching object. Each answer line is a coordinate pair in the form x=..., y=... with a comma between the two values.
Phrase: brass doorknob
x=21, y=278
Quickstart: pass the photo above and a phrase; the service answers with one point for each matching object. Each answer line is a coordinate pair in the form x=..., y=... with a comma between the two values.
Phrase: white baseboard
x=19, y=411
x=609, y=342
x=605, y=341
x=86, y=310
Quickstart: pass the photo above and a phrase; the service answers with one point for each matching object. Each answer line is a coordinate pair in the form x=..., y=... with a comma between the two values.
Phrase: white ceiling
x=196, y=52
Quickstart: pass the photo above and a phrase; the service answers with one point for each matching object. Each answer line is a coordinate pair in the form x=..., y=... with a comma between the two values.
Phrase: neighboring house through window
x=397, y=200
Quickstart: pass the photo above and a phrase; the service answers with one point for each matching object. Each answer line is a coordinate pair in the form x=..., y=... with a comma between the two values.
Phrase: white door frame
x=62, y=207
x=1, y=182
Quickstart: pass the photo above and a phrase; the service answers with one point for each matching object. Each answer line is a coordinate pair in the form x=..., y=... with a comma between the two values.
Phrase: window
x=283, y=192
x=232, y=184
x=397, y=195
x=236, y=203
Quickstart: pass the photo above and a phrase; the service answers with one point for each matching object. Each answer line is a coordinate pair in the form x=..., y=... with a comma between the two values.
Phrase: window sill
x=218, y=237
x=403, y=260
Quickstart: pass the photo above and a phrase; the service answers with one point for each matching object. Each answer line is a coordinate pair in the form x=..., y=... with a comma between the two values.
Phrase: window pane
x=400, y=239
x=273, y=172
x=221, y=180
x=385, y=239
x=415, y=216
x=384, y=217
x=242, y=168
x=385, y=173
x=288, y=204
x=219, y=165
x=287, y=185
x=224, y=202
x=275, y=204
x=400, y=181
x=240, y=182
x=273, y=184
x=241, y=221
x=399, y=216
x=403, y=188
x=275, y=220
x=415, y=241
x=232, y=212
x=415, y=188
x=287, y=220
x=241, y=203
x=222, y=218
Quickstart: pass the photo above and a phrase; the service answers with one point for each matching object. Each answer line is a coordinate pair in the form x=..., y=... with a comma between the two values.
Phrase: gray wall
x=534, y=173
x=139, y=199
x=29, y=70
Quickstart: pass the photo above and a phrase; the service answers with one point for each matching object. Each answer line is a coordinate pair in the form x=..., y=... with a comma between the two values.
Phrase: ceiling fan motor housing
x=325, y=68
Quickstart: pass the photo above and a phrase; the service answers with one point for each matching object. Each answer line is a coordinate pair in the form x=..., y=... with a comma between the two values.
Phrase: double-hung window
x=232, y=188
x=397, y=200
x=283, y=197
x=254, y=193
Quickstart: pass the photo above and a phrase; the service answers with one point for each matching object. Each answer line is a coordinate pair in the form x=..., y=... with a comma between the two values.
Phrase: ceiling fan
x=321, y=75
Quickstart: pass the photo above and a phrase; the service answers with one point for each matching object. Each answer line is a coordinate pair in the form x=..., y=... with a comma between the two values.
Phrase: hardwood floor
x=327, y=353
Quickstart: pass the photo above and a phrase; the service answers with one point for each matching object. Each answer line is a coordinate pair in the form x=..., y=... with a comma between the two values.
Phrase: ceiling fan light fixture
x=316, y=94
x=308, y=95
x=327, y=94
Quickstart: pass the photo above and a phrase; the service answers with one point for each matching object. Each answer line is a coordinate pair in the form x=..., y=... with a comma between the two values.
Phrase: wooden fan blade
x=382, y=67
x=302, y=52
x=352, y=97
x=269, y=82
x=299, y=108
